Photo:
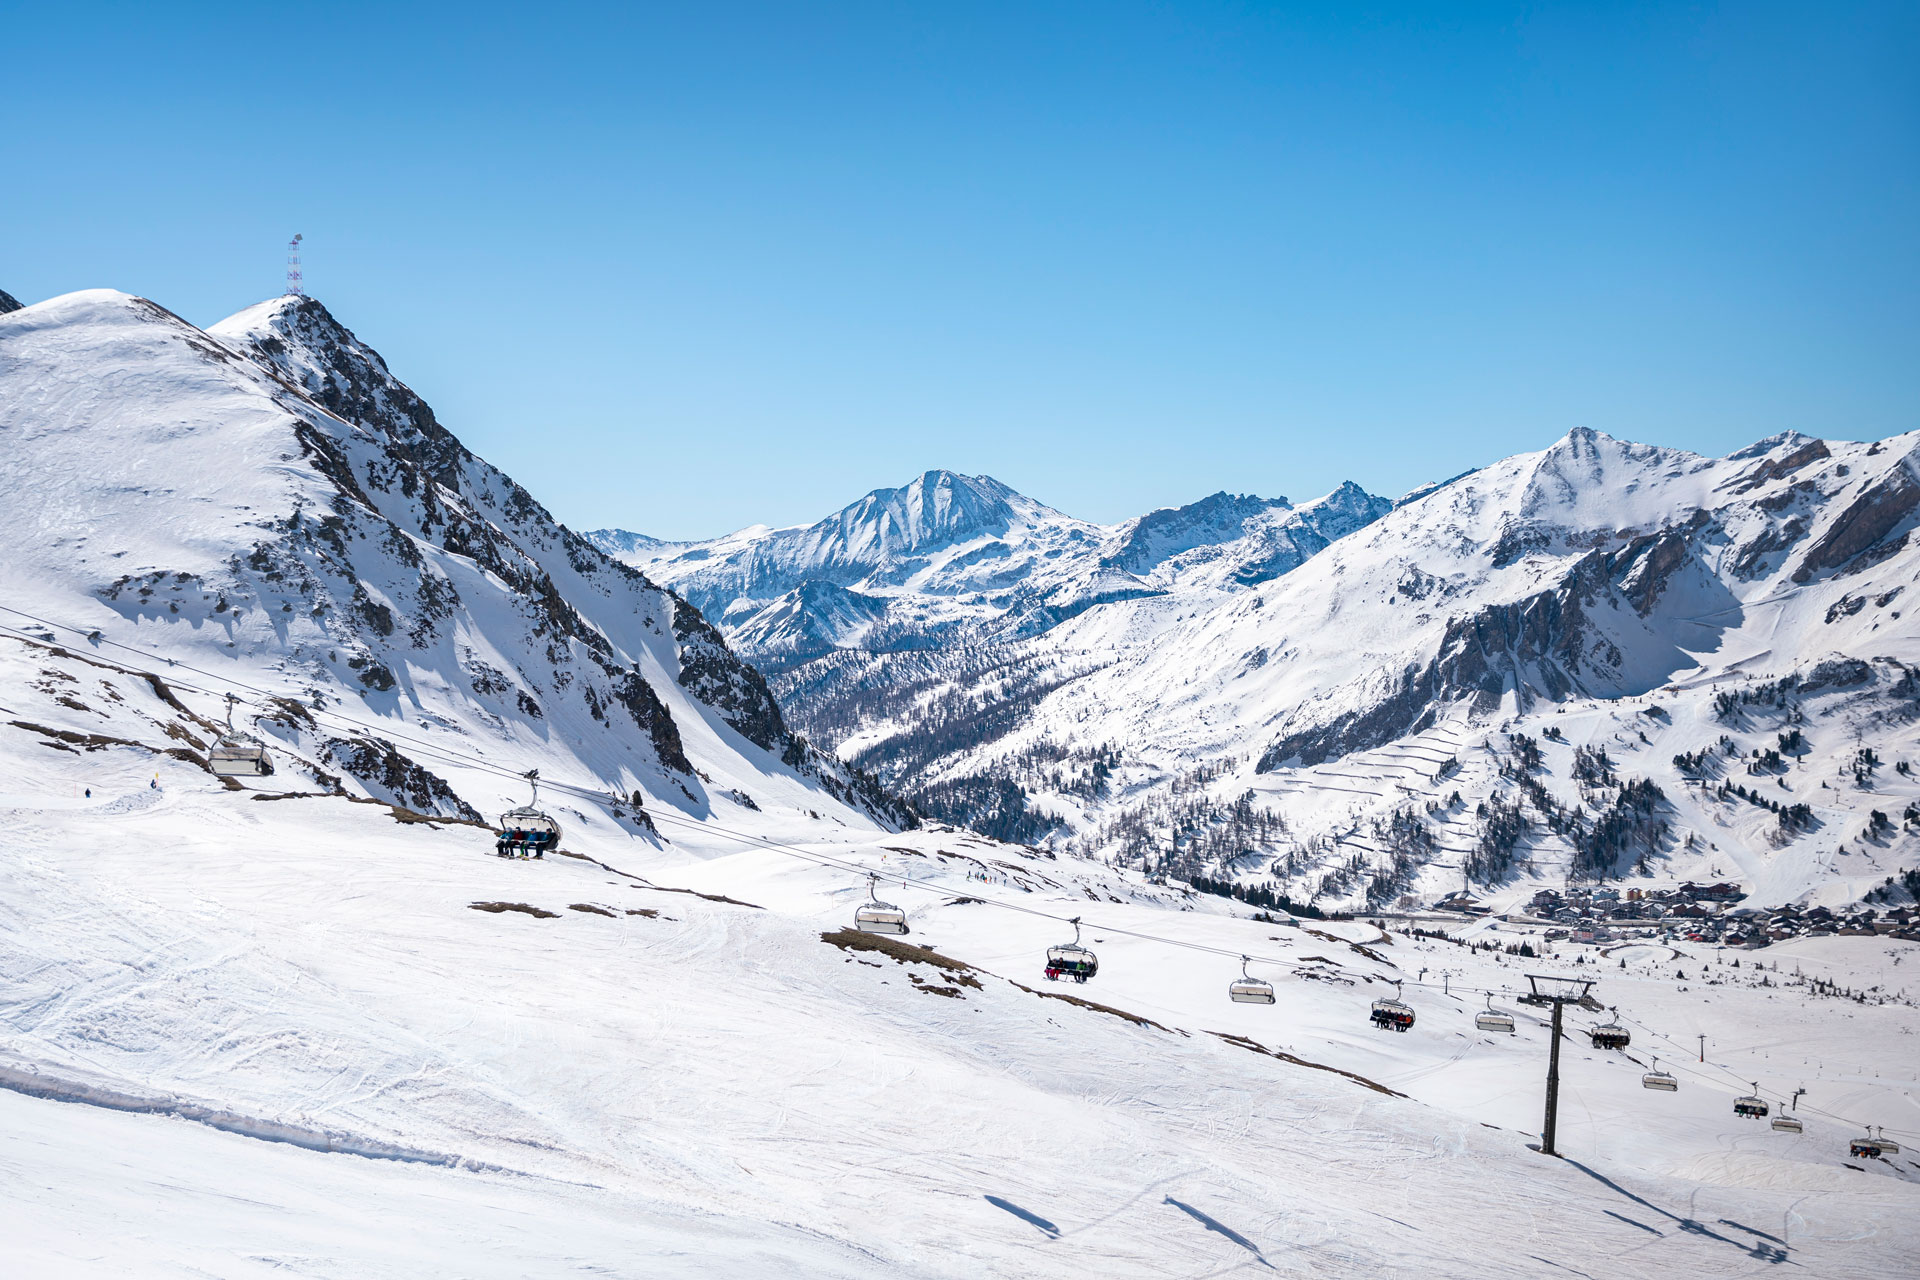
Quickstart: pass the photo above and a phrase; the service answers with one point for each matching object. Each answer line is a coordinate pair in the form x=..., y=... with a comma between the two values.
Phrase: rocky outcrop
x=1866, y=526
x=710, y=672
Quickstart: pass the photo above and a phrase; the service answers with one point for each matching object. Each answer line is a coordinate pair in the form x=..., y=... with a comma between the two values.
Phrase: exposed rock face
x=8, y=302
x=1270, y=550
x=1866, y=528
x=710, y=672
x=421, y=486
x=392, y=777
x=427, y=466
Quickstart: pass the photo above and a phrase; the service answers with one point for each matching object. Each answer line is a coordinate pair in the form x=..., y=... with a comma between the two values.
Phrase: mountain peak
x=936, y=508
x=1151, y=539
x=290, y=318
x=9, y=303
x=1780, y=440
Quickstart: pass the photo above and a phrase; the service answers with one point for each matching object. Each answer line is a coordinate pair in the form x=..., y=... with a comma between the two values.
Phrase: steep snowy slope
x=1596, y=567
x=264, y=504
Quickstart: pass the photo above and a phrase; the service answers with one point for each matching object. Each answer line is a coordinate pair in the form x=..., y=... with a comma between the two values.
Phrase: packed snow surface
x=245, y=1036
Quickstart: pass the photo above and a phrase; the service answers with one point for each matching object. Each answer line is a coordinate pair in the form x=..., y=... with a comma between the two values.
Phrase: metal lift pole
x=1557, y=993
x=1553, y=1086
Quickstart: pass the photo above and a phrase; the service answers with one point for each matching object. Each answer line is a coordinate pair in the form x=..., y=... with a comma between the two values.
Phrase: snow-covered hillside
x=249, y=1035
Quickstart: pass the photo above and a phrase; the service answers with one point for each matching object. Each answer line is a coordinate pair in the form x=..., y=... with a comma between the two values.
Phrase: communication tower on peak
x=295, y=285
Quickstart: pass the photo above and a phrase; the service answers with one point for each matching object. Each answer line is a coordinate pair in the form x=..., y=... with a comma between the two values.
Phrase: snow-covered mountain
x=1547, y=590
x=265, y=505
x=950, y=559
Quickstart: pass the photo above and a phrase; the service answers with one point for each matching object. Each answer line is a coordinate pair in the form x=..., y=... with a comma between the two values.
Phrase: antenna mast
x=295, y=285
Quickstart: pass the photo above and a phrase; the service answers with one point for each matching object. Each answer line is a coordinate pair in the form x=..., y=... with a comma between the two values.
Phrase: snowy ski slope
x=310, y=1025
x=245, y=1037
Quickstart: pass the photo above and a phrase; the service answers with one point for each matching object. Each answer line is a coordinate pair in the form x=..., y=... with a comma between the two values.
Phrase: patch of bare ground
x=401, y=814
x=640, y=883
x=589, y=907
x=959, y=972
x=1257, y=1047
x=100, y=741
x=522, y=907
x=1108, y=1009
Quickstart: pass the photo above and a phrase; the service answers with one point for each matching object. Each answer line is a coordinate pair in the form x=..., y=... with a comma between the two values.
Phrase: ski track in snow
x=715, y=1082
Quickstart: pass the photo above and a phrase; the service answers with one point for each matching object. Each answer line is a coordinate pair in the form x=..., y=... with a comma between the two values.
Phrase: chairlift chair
x=1491, y=1019
x=1867, y=1148
x=237, y=754
x=1610, y=1035
x=1658, y=1079
x=875, y=916
x=1391, y=1014
x=1071, y=960
x=1787, y=1124
x=526, y=832
x=1887, y=1145
x=1752, y=1106
x=1248, y=989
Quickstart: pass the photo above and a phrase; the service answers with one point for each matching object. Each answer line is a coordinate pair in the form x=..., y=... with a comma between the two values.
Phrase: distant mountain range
x=1126, y=690
x=953, y=559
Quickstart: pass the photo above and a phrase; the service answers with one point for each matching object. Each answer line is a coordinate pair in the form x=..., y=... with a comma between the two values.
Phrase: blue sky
x=684, y=268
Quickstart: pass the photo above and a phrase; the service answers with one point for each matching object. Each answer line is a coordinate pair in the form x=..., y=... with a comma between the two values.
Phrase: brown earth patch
x=906, y=953
x=1244, y=1043
x=522, y=907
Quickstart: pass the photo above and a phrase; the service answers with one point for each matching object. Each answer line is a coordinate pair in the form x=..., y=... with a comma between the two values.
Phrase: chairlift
x=1610, y=1035
x=526, y=832
x=1752, y=1106
x=1491, y=1019
x=875, y=916
x=1391, y=1014
x=1248, y=989
x=1787, y=1124
x=237, y=754
x=1658, y=1079
x=1867, y=1148
x=1887, y=1145
x=1071, y=960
